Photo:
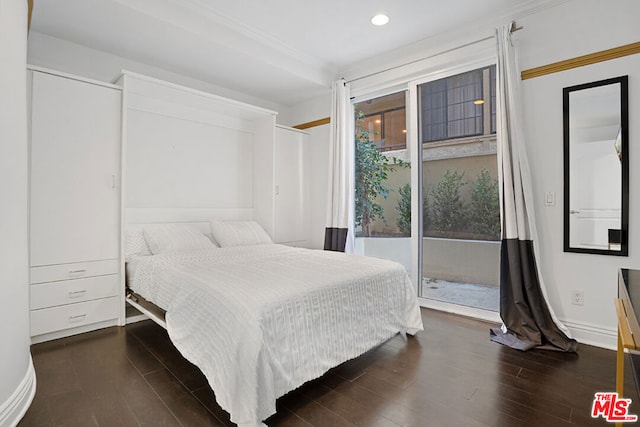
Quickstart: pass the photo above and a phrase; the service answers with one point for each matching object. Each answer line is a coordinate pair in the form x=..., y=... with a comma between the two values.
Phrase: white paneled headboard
x=188, y=156
x=198, y=217
x=173, y=162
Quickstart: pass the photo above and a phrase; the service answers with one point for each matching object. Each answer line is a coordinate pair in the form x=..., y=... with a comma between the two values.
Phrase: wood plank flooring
x=448, y=375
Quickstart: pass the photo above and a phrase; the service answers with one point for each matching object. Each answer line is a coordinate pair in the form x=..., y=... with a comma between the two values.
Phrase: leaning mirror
x=596, y=167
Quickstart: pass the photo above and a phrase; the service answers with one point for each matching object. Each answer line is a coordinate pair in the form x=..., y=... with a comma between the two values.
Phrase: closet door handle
x=77, y=294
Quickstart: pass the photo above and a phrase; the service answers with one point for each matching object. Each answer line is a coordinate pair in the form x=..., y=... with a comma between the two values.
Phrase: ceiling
x=283, y=51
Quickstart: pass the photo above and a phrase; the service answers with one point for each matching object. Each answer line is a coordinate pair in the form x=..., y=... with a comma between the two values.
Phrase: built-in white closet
x=190, y=156
x=108, y=157
x=74, y=242
x=291, y=186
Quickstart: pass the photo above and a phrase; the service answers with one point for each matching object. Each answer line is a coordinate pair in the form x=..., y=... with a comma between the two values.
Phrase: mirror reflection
x=596, y=169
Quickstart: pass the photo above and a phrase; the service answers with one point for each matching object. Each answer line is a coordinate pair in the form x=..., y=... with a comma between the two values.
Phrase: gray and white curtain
x=528, y=320
x=339, y=233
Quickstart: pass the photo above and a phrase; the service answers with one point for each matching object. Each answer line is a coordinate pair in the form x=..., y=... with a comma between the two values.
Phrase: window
x=459, y=174
x=455, y=153
x=384, y=119
x=382, y=174
x=456, y=106
x=461, y=209
x=492, y=94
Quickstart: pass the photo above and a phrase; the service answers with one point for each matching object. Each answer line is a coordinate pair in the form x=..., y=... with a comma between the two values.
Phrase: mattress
x=260, y=321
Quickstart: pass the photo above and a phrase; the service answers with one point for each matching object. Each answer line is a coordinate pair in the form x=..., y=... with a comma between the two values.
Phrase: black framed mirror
x=596, y=167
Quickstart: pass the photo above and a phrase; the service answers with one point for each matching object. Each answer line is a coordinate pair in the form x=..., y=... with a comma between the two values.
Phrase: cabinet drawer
x=73, y=315
x=50, y=294
x=76, y=270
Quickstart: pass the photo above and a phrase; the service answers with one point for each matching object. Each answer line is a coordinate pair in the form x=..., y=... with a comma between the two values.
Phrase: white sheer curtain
x=529, y=320
x=339, y=233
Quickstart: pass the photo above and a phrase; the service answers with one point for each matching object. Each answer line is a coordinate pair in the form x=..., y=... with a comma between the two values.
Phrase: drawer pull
x=77, y=294
x=76, y=273
x=77, y=318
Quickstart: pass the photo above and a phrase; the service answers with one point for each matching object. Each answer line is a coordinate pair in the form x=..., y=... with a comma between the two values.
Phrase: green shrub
x=485, y=206
x=403, y=207
x=447, y=210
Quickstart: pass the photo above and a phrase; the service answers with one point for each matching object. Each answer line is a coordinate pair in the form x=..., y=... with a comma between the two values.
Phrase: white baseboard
x=583, y=333
x=593, y=335
x=12, y=411
x=73, y=331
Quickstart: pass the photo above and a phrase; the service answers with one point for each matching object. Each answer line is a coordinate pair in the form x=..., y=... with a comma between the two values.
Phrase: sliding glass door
x=426, y=186
x=461, y=215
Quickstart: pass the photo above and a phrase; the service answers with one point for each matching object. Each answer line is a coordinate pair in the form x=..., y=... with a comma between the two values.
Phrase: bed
x=260, y=319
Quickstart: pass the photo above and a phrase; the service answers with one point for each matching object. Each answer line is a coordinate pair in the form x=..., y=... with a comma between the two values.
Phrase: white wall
x=308, y=111
x=577, y=28
x=17, y=379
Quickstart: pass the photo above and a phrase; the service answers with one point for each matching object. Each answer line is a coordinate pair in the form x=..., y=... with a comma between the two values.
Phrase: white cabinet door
x=291, y=186
x=75, y=170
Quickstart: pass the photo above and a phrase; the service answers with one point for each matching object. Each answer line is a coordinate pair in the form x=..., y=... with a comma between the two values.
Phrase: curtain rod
x=513, y=29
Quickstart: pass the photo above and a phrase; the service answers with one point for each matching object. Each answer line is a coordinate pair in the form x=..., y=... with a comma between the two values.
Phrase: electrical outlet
x=577, y=298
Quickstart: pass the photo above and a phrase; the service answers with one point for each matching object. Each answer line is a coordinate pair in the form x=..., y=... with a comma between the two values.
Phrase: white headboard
x=198, y=217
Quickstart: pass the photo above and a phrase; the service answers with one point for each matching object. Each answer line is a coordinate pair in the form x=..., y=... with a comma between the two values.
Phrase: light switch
x=550, y=198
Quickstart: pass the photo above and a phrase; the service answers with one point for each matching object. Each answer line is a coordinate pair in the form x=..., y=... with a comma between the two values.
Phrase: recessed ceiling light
x=380, y=19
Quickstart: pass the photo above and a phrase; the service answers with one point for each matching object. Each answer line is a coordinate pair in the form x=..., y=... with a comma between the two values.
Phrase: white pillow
x=175, y=238
x=239, y=233
x=135, y=244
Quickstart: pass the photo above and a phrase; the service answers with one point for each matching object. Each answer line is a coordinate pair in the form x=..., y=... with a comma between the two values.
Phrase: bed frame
x=147, y=308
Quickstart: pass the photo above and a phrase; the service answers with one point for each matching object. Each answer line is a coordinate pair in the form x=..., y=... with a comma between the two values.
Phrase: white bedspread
x=260, y=321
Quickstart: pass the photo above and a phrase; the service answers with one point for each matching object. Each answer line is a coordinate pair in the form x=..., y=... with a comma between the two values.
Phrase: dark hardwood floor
x=448, y=375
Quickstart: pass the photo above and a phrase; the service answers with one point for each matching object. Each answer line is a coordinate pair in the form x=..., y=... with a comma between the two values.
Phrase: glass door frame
x=416, y=158
x=410, y=85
